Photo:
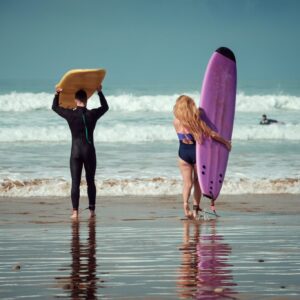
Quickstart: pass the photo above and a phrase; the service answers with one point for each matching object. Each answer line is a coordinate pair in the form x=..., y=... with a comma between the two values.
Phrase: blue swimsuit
x=187, y=152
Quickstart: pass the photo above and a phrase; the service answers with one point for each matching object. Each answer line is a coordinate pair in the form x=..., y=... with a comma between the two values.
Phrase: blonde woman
x=190, y=128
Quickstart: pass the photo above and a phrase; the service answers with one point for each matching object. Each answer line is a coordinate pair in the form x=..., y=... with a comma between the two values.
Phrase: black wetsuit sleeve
x=273, y=121
x=100, y=111
x=63, y=112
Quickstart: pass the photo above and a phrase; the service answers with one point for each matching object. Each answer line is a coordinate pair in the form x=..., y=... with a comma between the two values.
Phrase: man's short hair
x=81, y=96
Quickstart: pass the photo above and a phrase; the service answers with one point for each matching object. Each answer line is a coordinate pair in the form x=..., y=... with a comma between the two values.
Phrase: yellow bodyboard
x=74, y=80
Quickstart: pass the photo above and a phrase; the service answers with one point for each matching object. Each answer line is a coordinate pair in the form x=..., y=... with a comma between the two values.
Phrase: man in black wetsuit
x=82, y=123
x=265, y=121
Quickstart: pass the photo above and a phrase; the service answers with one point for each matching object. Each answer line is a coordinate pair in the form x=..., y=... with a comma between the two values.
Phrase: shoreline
x=57, y=209
x=153, y=186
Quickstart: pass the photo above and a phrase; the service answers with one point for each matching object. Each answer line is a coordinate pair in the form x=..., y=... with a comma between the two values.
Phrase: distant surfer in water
x=265, y=121
x=82, y=122
x=190, y=128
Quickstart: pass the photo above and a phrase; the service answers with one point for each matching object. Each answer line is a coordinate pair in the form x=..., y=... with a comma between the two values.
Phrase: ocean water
x=137, y=146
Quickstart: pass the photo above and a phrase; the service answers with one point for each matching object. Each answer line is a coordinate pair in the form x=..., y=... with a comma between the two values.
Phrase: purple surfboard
x=218, y=103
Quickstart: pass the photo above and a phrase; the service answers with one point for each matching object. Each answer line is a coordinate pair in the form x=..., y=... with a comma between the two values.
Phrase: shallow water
x=236, y=257
x=136, y=144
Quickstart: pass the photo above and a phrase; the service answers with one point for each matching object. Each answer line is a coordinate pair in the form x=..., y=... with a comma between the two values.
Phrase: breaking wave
x=24, y=102
x=136, y=133
x=143, y=186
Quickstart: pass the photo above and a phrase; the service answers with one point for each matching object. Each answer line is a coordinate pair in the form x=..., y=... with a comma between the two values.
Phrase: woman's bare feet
x=196, y=210
x=74, y=215
x=92, y=214
x=187, y=211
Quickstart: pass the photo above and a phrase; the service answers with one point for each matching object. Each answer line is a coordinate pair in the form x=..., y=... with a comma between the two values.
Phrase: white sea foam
x=21, y=102
x=266, y=103
x=133, y=103
x=135, y=133
x=151, y=186
x=117, y=133
x=272, y=132
x=35, y=134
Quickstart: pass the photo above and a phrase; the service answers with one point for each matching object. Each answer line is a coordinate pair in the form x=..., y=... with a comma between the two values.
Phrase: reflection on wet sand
x=204, y=271
x=82, y=282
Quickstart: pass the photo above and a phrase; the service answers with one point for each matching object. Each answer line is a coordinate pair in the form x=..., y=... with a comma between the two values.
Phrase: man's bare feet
x=74, y=215
x=92, y=214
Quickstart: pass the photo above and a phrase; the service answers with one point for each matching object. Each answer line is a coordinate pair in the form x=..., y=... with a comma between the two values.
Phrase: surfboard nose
x=226, y=52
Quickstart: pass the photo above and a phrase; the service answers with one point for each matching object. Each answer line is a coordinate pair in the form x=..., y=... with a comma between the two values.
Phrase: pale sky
x=153, y=42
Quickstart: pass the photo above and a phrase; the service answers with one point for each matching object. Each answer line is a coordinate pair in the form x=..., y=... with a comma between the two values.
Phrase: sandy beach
x=57, y=209
x=139, y=248
x=43, y=210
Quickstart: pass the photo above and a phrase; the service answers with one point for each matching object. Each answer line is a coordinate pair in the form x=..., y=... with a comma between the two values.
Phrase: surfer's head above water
x=80, y=97
x=186, y=111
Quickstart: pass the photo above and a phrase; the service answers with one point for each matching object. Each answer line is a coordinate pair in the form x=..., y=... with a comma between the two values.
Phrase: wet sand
x=139, y=248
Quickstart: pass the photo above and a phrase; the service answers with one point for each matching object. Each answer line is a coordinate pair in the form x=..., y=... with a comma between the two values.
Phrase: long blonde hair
x=186, y=111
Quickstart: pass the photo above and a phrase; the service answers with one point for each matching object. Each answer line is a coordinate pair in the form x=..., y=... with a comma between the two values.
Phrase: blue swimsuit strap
x=185, y=136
